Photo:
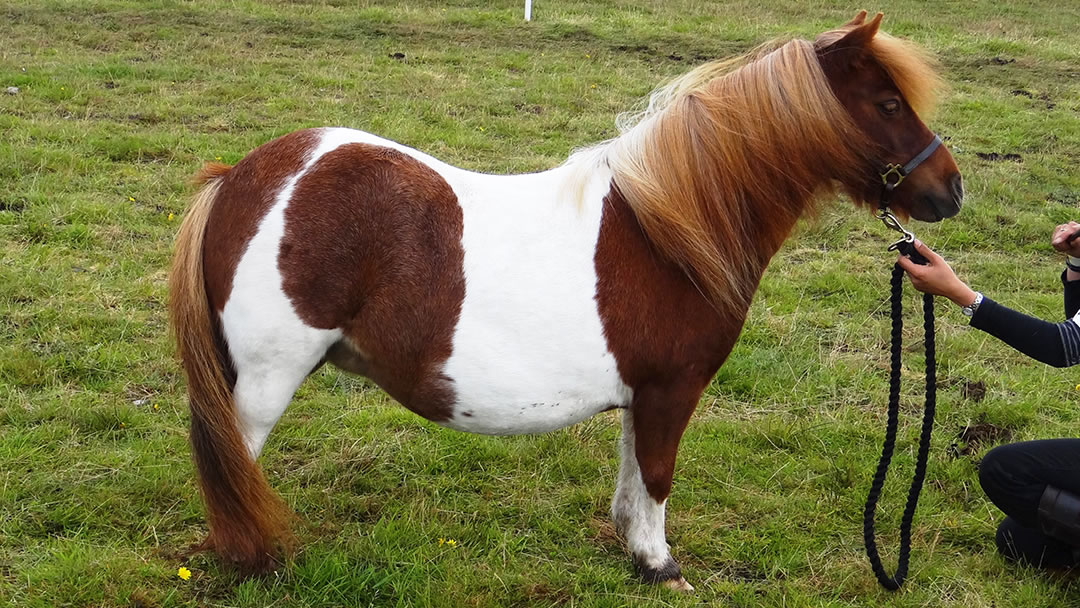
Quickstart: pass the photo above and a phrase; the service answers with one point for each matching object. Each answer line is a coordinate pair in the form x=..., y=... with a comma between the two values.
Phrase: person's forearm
x=961, y=294
x=1056, y=344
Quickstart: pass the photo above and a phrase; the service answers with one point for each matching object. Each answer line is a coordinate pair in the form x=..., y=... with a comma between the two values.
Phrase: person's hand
x=1058, y=240
x=936, y=277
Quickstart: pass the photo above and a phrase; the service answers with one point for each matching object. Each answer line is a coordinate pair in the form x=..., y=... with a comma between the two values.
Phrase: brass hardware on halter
x=902, y=171
x=897, y=170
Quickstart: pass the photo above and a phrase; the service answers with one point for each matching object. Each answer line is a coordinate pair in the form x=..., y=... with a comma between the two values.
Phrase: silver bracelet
x=969, y=310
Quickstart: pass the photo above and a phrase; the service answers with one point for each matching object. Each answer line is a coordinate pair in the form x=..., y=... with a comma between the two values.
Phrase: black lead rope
x=893, y=582
x=891, y=178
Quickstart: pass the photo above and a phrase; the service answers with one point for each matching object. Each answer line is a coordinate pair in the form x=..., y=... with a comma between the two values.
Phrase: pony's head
x=885, y=84
x=724, y=159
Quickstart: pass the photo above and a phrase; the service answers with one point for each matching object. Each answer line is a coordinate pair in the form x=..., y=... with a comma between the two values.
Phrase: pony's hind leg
x=262, y=394
x=272, y=358
x=646, y=465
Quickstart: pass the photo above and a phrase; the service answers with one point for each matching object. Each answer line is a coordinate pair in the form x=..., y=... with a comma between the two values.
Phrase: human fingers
x=928, y=253
x=1065, y=236
x=922, y=276
x=905, y=262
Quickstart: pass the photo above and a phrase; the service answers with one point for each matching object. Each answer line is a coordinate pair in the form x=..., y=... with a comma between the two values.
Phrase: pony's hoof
x=679, y=584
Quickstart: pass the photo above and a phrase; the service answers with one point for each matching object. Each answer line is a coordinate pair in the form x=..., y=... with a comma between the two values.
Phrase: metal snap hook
x=892, y=223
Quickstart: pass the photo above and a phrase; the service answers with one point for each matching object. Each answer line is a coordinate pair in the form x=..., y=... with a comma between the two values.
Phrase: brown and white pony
x=526, y=303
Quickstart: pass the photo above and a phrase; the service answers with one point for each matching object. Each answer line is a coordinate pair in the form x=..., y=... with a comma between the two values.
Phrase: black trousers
x=1014, y=477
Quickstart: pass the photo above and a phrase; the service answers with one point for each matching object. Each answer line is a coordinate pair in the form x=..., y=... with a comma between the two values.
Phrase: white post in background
x=528, y=10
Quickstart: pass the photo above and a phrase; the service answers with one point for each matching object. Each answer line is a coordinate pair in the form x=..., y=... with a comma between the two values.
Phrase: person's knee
x=995, y=470
x=990, y=470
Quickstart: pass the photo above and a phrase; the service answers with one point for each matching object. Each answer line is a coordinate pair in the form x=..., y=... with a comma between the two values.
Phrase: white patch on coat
x=637, y=516
x=529, y=353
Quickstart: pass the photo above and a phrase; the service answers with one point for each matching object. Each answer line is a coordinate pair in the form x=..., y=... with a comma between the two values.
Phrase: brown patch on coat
x=372, y=245
x=667, y=338
x=247, y=192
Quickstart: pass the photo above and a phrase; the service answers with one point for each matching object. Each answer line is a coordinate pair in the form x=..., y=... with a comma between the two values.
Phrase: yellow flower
x=131, y=198
x=451, y=543
x=217, y=158
x=170, y=217
x=155, y=407
x=442, y=541
x=1078, y=387
x=183, y=573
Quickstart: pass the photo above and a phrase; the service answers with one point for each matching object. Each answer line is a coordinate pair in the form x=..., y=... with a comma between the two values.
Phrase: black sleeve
x=1072, y=296
x=1056, y=344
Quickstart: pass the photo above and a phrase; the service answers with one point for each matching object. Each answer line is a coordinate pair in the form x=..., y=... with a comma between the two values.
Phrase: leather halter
x=892, y=177
x=899, y=172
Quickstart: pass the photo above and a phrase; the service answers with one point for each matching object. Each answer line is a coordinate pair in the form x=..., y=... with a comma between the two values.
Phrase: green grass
x=121, y=101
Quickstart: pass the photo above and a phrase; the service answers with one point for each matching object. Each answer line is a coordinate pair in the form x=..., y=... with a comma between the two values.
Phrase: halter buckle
x=893, y=169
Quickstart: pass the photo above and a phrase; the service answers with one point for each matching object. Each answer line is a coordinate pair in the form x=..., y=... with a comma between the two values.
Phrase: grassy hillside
x=120, y=101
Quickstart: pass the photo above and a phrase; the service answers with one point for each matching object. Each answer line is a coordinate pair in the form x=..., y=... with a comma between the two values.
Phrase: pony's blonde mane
x=724, y=159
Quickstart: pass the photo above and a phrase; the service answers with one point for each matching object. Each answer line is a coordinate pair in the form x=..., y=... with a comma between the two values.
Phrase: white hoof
x=679, y=584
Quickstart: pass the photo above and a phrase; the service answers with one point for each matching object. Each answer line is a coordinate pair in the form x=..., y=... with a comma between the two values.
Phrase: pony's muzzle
x=941, y=203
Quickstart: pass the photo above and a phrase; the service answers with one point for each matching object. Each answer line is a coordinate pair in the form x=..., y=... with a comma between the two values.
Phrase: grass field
x=120, y=101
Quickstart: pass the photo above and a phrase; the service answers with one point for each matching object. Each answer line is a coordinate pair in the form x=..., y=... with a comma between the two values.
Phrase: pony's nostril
x=956, y=185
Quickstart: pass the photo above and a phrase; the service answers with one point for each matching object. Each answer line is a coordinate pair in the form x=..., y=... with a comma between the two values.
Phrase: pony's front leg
x=650, y=439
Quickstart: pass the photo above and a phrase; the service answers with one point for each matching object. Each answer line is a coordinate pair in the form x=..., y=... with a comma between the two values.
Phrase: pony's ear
x=842, y=47
x=861, y=34
x=858, y=20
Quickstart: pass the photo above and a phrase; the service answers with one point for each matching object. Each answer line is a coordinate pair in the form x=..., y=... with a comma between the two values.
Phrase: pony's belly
x=546, y=382
x=522, y=415
x=513, y=371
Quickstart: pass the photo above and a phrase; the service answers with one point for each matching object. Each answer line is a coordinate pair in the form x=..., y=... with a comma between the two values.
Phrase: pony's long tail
x=249, y=523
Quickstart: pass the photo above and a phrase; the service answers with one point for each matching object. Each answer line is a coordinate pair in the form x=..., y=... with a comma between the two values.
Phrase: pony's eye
x=889, y=108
